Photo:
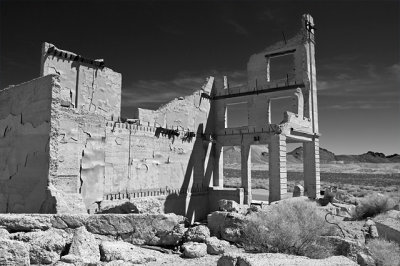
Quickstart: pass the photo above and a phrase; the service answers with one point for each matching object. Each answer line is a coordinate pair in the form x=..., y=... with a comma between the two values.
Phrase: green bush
x=373, y=205
x=289, y=227
x=385, y=253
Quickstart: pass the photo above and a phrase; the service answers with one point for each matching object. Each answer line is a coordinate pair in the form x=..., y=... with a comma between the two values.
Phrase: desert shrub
x=385, y=253
x=373, y=205
x=288, y=227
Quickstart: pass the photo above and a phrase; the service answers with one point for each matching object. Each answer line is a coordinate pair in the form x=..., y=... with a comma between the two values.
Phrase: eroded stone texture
x=111, y=251
x=13, y=253
x=24, y=150
x=85, y=246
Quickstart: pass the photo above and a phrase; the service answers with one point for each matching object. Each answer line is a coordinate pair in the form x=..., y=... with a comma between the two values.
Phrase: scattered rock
x=370, y=230
x=197, y=234
x=272, y=259
x=69, y=258
x=4, y=234
x=25, y=222
x=134, y=228
x=216, y=246
x=45, y=247
x=227, y=260
x=64, y=221
x=298, y=191
x=365, y=259
x=225, y=225
x=120, y=250
x=228, y=205
x=84, y=245
x=13, y=253
x=174, y=237
x=194, y=250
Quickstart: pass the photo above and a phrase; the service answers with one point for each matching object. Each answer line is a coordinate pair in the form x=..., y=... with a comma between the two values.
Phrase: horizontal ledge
x=252, y=92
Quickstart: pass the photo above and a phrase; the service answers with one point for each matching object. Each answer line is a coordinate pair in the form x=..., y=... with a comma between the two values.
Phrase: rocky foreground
x=125, y=239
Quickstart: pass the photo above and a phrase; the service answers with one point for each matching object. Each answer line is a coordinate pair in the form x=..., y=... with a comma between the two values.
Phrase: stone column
x=245, y=151
x=311, y=168
x=218, y=175
x=277, y=168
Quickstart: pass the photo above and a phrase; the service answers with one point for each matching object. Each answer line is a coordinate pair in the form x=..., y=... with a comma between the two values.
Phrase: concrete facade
x=65, y=148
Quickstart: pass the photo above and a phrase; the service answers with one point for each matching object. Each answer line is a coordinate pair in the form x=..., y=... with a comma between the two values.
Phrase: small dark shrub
x=373, y=205
x=289, y=227
x=385, y=253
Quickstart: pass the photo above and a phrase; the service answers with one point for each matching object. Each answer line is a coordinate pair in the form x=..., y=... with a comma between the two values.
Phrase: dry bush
x=289, y=227
x=386, y=253
x=373, y=205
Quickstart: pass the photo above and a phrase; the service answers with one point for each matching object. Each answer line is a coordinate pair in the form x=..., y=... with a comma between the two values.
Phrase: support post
x=246, y=172
x=311, y=168
x=218, y=175
x=277, y=168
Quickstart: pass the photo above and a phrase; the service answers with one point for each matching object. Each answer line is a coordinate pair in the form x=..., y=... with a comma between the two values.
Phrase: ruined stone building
x=64, y=147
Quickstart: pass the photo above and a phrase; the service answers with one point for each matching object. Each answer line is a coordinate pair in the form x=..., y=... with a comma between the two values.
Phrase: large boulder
x=228, y=226
x=272, y=259
x=197, y=234
x=174, y=237
x=216, y=246
x=120, y=250
x=13, y=253
x=25, y=222
x=85, y=246
x=194, y=250
x=135, y=228
x=228, y=205
x=4, y=234
x=45, y=247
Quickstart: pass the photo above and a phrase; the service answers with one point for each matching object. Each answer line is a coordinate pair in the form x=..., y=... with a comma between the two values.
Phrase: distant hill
x=259, y=155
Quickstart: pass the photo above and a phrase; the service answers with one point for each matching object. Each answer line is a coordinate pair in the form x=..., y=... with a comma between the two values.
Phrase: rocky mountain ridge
x=259, y=155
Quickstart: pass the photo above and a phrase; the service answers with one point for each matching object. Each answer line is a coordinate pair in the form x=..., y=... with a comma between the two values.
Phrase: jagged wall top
x=85, y=84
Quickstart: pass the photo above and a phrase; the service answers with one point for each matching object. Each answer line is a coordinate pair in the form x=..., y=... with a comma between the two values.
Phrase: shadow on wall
x=192, y=200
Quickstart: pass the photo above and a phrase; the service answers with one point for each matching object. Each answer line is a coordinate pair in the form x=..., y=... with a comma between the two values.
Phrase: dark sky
x=165, y=49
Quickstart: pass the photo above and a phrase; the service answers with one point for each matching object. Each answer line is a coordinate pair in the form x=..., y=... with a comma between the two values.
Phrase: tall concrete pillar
x=311, y=168
x=277, y=168
x=218, y=175
x=245, y=151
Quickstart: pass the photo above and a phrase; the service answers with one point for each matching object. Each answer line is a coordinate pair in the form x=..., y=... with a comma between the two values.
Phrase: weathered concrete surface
x=24, y=147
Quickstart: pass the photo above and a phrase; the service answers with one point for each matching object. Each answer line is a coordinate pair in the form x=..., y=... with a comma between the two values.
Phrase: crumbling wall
x=24, y=145
x=76, y=173
x=86, y=84
x=186, y=112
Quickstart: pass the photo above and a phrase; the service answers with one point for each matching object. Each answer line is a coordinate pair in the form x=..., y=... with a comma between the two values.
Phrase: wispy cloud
x=364, y=87
x=153, y=93
x=238, y=28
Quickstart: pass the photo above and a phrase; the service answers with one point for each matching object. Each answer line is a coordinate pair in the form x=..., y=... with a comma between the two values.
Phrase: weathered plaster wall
x=84, y=86
x=24, y=145
x=186, y=112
